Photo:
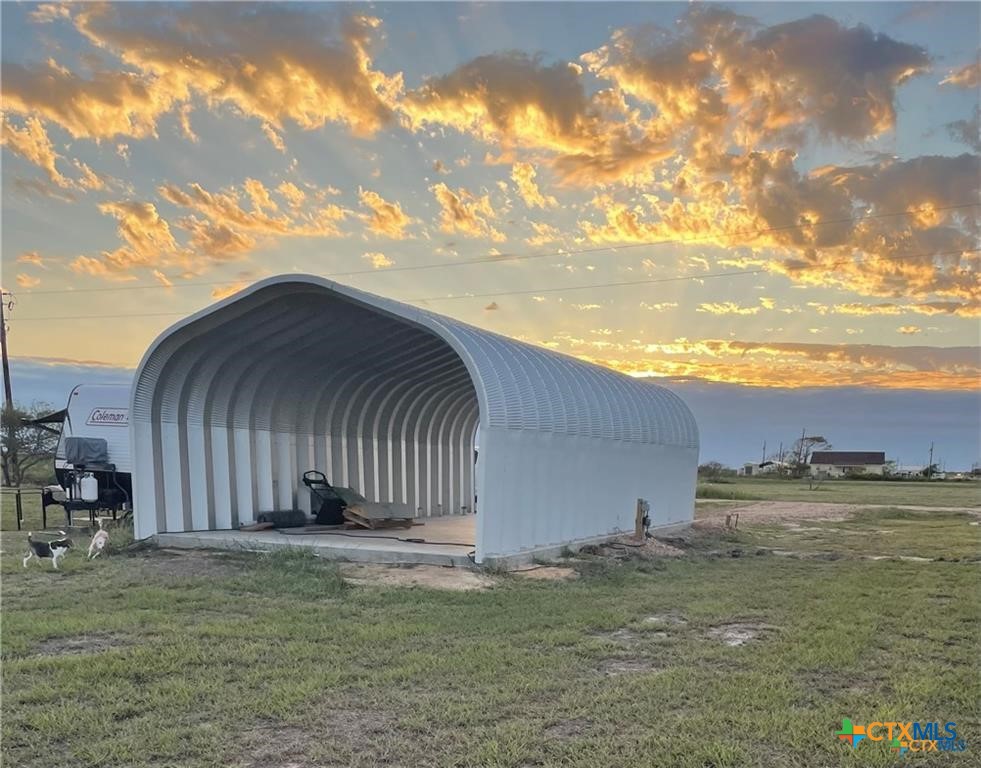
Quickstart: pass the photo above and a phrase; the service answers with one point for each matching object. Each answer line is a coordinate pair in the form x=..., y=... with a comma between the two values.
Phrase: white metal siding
x=231, y=404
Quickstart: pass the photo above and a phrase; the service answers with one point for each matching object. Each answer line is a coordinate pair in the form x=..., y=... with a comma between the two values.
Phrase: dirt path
x=779, y=511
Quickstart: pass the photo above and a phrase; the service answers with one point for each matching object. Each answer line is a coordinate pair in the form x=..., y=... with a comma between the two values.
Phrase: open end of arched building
x=233, y=404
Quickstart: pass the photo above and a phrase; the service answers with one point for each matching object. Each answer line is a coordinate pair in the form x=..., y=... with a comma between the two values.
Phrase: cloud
x=272, y=63
x=108, y=104
x=218, y=227
x=274, y=138
x=791, y=364
x=967, y=131
x=386, y=219
x=727, y=308
x=293, y=195
x=184, y=117
x=261, y=201
x=967, y=77
x=32, y=143
x=28, y=281
x=514, y=102
x=275, y=63
x=225, y=208
x=162, y=279
x=32, y=257
x=225, y=291
x=523, y=175
x=909, y=330
x=544, y=234
x=148, y=242
x=833, y=226
x=493, y=306
x=377, y=260
x=463, y=213
x=723, y=74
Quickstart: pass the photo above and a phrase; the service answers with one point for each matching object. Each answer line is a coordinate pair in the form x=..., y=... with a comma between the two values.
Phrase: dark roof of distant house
x=850, y=458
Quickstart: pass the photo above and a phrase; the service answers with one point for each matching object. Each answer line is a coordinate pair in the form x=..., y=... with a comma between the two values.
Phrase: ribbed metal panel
x=232, y=404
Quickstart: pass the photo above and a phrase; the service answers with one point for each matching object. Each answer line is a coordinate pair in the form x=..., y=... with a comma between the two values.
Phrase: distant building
x=841, y=463
x=909, y=470
x=754, y=469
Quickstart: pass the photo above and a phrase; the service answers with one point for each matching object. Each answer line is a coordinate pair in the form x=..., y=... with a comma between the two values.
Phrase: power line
x=506, y=257
x=675, y=278
x=533, y=291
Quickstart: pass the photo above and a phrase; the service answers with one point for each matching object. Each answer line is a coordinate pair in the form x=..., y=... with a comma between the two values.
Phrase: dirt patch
x=426, y=576
x=777, y=512
x=666, y=620
x=188, y=563
x=548, y=573
x=622, y=636
x=348, y=731
x=628, y=666
x=71, y=646
x=568, y=729
x=627, y=547
x=737, y=634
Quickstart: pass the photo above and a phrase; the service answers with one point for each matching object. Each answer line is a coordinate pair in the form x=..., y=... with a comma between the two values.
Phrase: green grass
x=946, y=493
x=203, y=659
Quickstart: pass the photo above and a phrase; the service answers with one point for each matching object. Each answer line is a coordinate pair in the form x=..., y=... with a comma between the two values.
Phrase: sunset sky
x=766, y=195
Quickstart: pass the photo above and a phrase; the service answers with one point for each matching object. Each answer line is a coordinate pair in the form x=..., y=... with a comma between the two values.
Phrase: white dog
x=99, y=541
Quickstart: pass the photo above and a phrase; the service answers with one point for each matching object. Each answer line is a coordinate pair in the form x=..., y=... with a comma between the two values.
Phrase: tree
x=31, y=445
x=804, y=446
x=711, y=470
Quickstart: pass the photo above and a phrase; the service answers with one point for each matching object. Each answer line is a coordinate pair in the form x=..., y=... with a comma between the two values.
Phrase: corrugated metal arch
x=233, y=403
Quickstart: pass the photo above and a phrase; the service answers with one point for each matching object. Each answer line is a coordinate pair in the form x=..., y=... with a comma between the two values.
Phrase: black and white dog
x=54, y=549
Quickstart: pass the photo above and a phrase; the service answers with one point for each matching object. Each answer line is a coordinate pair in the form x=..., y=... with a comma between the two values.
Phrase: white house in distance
x=841, y=463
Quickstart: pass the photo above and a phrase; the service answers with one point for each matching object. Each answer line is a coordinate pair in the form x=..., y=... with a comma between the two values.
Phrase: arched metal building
x=232, y=404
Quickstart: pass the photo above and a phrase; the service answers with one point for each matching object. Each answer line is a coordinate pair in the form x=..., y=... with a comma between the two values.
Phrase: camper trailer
x=92, y=460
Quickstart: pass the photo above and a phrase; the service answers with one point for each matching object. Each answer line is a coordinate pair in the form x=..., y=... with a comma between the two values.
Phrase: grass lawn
x=947, y=493
x=151, y=658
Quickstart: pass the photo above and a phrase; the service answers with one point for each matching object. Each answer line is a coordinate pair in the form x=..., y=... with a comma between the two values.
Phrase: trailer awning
x=44, y=422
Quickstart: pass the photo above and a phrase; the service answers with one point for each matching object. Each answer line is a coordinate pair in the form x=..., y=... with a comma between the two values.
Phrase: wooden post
x=639, y=531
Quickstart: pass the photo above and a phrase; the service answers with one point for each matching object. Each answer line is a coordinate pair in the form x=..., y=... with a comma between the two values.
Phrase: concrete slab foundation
x=445, y=541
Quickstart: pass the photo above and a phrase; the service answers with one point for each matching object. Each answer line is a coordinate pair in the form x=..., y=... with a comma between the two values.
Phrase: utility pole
x=763, y=460
x=10, y=459
x=929, y=472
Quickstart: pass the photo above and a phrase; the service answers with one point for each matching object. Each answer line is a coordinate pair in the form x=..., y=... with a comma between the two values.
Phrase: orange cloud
x=727, y=308
x=514, y=102
x=275, y=64
x=722, y=72
x=789, y=364
x=463, y=213
x=386, y=219
x=272, y=63
x=377, y=260
x=32, y=143
x=261, y=201
x=544, y=233
x=523, y=175
x=28, y=281
x=32, y=257
x=968, y=76
x=826, y=224
x=293, y=195
x=147, y=237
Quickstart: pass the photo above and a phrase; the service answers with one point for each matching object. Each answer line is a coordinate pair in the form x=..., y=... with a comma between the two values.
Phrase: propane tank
x=90, y=487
